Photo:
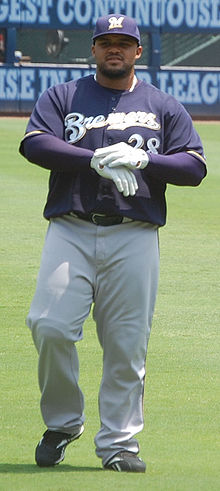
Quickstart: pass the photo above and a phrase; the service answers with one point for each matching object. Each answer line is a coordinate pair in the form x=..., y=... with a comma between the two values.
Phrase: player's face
x=115, y=55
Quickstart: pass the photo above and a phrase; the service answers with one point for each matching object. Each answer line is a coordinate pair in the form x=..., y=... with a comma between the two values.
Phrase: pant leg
x=62, y=301
x=124, y=304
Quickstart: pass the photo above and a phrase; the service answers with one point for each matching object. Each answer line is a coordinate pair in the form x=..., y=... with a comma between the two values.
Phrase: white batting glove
x=122, y=154
x=124, y=179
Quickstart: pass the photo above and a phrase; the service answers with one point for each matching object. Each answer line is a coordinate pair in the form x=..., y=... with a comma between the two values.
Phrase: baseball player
x=112, y=143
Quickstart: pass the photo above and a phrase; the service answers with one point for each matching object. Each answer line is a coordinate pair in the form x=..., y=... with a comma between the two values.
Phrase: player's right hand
x=123, y=178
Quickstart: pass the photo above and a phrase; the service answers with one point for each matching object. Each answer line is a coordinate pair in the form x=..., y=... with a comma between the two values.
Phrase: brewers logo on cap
x=116, y=24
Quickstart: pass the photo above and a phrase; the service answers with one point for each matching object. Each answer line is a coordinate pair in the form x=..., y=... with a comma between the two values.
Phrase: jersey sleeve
x=48, y=113
x=44, y=142
x=179, y=132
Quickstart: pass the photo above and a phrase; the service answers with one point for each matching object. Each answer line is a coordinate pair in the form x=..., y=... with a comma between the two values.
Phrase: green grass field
x=181, y=439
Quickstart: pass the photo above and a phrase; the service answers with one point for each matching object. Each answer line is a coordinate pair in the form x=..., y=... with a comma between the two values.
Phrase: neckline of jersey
x=135, y=80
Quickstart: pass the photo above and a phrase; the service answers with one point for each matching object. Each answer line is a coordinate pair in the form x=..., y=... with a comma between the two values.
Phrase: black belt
x=101, y=219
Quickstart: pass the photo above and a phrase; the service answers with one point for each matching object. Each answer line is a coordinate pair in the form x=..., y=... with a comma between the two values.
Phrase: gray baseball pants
x=116, y=268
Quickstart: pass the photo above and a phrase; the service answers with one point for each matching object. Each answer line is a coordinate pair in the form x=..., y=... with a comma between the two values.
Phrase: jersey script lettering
x=77, y=124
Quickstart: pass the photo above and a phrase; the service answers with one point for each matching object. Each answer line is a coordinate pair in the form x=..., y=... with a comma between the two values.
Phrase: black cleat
x=51, y=448
x=125, y=462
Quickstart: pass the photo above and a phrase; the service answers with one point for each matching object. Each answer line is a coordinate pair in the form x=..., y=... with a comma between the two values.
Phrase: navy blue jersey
x=89, y=116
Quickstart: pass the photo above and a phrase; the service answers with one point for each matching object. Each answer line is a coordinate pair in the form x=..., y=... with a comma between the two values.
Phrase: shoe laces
x=55, y=437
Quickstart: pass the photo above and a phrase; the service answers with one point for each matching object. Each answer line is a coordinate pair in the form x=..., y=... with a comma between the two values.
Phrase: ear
x=139, y=52
x=93, y=50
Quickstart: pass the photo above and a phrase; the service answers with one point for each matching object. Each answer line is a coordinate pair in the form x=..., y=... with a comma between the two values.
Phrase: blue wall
x=166, y=14
x=198, y=91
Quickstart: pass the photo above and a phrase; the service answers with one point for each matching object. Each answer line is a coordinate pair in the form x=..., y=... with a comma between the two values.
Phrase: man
x=112, y=143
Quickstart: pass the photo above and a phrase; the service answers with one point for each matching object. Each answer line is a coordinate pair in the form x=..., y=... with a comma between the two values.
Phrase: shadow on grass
x=34, y=469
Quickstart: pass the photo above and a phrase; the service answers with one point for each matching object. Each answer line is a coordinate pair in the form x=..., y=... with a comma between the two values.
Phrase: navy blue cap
x=116, y=24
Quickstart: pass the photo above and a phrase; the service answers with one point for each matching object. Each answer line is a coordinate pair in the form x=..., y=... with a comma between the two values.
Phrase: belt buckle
x=94, y=215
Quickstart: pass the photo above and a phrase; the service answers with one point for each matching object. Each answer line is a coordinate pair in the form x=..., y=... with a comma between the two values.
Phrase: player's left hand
x=122, y=154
